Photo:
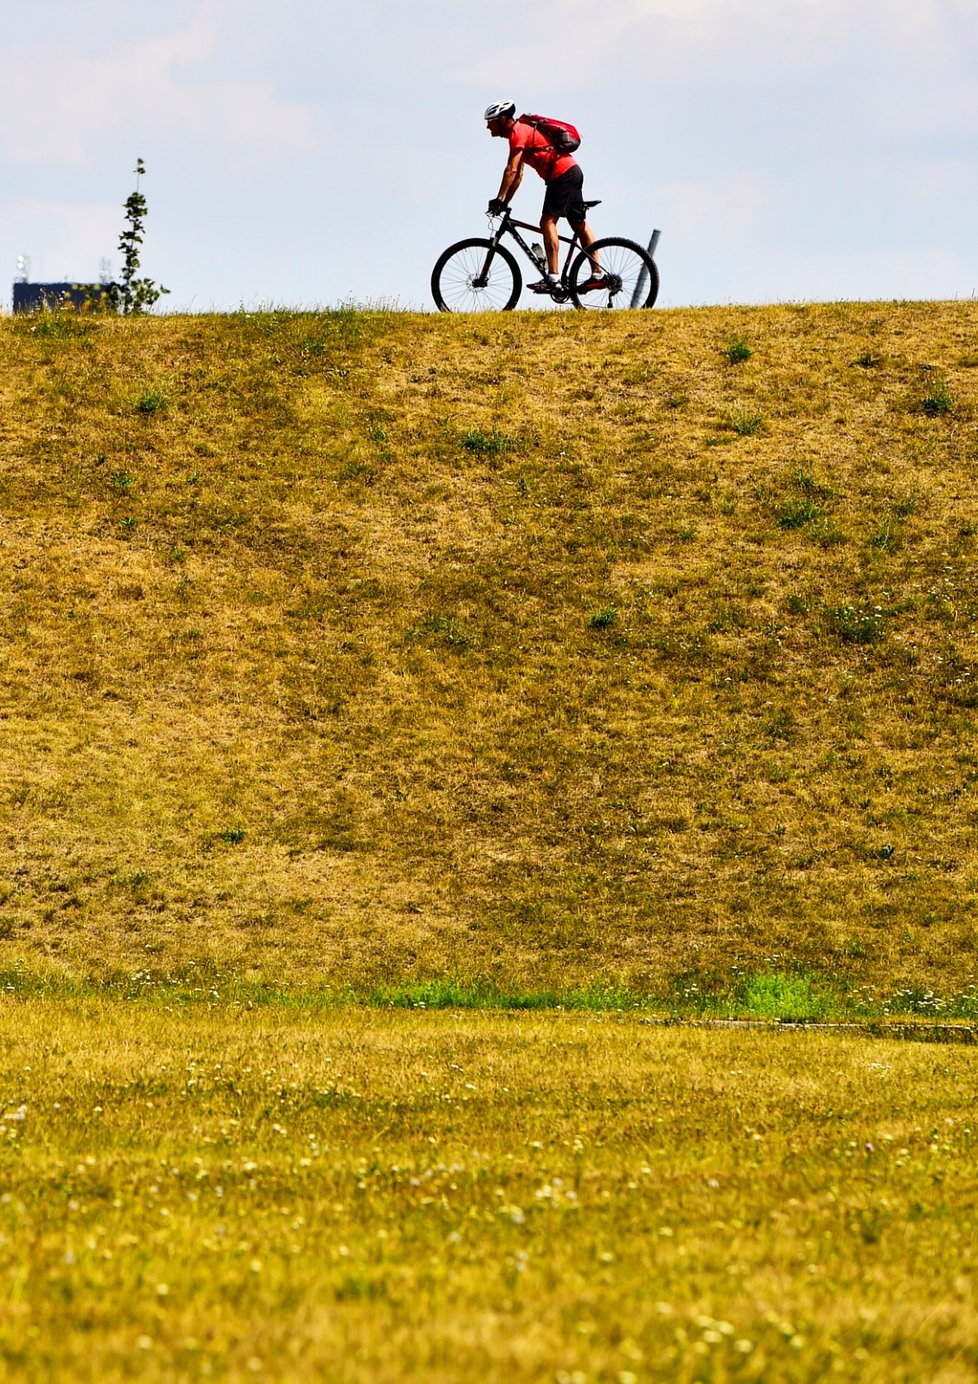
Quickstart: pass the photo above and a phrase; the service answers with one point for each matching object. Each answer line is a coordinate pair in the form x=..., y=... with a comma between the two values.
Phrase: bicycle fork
x=482, y=278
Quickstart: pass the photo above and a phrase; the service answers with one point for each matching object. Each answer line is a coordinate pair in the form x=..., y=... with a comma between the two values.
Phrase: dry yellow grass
x=358, y=647
x=286, y=1194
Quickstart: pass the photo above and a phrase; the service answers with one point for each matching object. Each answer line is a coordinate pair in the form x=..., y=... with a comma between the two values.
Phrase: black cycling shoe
x=543, y=286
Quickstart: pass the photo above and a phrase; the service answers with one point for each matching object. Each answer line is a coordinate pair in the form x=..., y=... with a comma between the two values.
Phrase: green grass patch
x=789, y=996
x=779, y=996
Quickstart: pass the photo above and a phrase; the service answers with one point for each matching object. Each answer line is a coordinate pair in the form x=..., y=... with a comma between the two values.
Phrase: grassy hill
x=541, y=651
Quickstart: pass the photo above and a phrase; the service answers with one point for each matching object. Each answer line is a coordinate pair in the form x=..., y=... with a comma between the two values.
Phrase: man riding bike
x=564, y=179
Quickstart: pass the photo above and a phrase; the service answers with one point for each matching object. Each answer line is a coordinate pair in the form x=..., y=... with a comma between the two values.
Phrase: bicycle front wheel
x=627, y=276
x=476, y=276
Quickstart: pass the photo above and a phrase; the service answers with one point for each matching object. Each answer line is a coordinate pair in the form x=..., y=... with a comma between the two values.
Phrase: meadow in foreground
x=213, y=1191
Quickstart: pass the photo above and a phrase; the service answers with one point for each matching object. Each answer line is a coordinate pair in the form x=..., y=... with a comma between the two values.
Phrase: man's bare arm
x=512, y=176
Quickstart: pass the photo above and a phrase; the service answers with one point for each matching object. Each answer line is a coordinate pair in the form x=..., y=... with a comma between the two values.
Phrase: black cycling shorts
x=564, y=196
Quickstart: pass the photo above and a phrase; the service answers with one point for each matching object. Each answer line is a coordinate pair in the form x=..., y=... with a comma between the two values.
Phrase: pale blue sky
x=308, y=152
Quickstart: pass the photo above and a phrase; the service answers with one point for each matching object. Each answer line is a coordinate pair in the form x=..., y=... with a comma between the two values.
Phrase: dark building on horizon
x=34, y=297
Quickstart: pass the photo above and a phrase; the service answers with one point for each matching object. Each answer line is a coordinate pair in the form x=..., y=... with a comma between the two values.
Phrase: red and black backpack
x=562, y=137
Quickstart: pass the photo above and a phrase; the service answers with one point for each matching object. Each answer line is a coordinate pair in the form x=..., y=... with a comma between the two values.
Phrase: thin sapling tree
x=134, y=294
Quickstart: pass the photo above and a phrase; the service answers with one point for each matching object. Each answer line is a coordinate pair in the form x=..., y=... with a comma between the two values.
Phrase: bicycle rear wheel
x=476, y=276
x=628, y=276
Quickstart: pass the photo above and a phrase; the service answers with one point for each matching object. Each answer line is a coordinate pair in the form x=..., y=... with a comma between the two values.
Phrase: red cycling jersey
x=538, y=153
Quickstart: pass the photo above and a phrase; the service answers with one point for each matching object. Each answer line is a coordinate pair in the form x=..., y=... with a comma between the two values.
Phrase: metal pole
x=644, y=276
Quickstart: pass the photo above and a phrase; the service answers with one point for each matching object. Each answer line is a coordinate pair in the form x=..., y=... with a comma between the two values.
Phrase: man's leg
x=587, y=237
x=551, y=243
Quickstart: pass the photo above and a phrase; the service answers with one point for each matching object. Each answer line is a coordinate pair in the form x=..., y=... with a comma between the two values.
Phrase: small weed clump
x=811, y=510
x=798, y=513
x=855, y=624
x=746, y=424
x=938, y=400
x=152, y=401
x=604, y=618
x=738, y=350
x=448, y=631
x=887, y=537
x=487, y=443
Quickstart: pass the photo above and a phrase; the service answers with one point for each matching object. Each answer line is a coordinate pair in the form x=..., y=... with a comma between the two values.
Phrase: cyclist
x=564, y=179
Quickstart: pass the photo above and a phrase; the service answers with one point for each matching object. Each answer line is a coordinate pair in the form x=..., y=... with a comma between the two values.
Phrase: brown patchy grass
x=351, y=648
x=293, y=1194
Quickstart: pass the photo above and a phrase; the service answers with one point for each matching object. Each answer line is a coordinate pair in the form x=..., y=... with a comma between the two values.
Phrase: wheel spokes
x=623, y=270
x=468, y=285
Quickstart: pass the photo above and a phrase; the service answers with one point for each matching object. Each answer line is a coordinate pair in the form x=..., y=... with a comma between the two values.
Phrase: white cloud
x=60, y=106
x=661, y=41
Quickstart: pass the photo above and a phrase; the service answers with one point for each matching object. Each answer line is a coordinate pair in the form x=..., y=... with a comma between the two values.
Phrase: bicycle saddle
x=596, y=203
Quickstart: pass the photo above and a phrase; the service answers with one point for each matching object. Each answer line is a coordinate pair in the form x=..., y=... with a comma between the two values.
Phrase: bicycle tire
x=633, y=275
x=453, y=279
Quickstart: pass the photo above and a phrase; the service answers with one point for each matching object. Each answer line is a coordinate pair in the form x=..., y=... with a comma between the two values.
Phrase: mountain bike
x=482, y=275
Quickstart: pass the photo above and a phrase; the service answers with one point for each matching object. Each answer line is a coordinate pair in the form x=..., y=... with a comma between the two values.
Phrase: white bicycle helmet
x=500, y=110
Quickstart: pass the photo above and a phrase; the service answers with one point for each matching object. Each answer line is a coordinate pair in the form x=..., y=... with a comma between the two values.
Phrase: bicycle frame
x=510, y=226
